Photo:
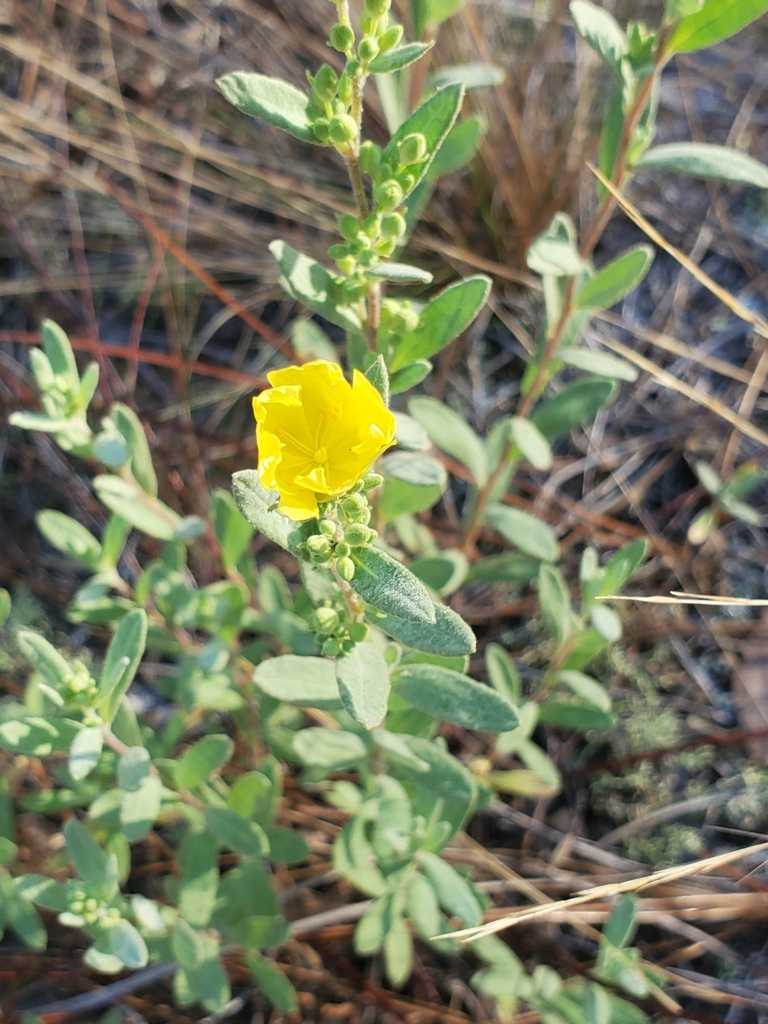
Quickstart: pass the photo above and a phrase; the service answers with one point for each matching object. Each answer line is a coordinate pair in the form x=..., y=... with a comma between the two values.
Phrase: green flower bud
x=327, y=528
x=407, y=181
x=338, y=251
x=377, y=8
x=368, y=50
x=352, y=504
x=327, y=620
x=358, y=631
x=347, y=265
x=342, y=129
x=320, y=128
x=372, y=226
x=343, y=550
x=345, y=568
x=388, y=195
x=386, y=247
x=367, y=26
x=371, y=480
x=357, y=535
x=331, y=648
x=370, y=158
x=341, y=38
x=393, y=225
x=349, y=226
x=325, y=85
x=366, y=258
x=412, y=149
x=318, y=547
x=390, y=38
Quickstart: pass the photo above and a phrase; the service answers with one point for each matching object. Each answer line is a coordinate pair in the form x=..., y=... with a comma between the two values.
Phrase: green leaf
x=582, y=717
x=37, y=737
x=310, y=682
x=92, y=863
x=19, y=913
x=507, y=568
x=232, y=529
x=378, y=376
x=5, y=606
x=398, y=952
x=59, y=352
x=574, y=406
x=617, y=279
x=372, y=927
x=452, y=890
x=310, y=342
x=459, y=146
x=409, y=434
x=201, y=760
x=390, y=587
x=126, y=499
x=454, y=698
x=277, y=102
x=449, y=635
x=44, y=658
x=502, y=673
x=330, y=749
x=601, y=30
x=706, y=160
x=400, y=273
x=620, y=567
x=620, y=926
x=286, y=845
x=272, y=982
x=69, y=537
x=129, y=425
x=555, y=603
x=412, y=483
x=128, y=946
x=198, y=861
x=433, y=120
x=186, y=945
x=255, y=503
x=444, y=318
x=140, y=807
x=444, y=573
x=409, y=376
x=715, y=21
x=122, y=659
x=85, y=752
x=451, y=433
x=309, y=282
x=423, y=908
x=554, y=252
x=400, y=57
x=586, y=687
x=600, y=364
x=210, y=981
x=606, y=621
x=233, y=831
x=363, y=677
x=475, y=75
x=528, y=533
x=531, y=442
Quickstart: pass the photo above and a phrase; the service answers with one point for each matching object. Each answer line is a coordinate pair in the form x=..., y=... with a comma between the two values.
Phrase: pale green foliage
x=366, y=643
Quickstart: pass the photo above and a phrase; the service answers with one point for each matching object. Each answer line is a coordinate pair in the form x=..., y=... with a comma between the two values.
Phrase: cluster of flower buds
x=393, y=181
x=337, y=632
x=80, y=690
x=342, y=527
x=83, y=909
x=333, y=95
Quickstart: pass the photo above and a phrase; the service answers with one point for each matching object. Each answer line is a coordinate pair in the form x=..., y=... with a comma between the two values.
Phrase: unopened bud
x=390, y=38
x=368, y=50
x=327, y=620
x=320, y=128
x=358, y=536
x=342, y=550
x=347, y=265
x=342, y=129
x=338, y=251
x=377, y=8
x=325, y=85
x=331, y=648
x=349, y=226
x=354, y=503
x=388, y=195
x=370, y=158
x=407, y=181
x=327, y=528
x=341, y=38
x=371, y=480
x=345, y=568
x=318, y=547
x=412, y=149
x=358, y=631
x=386, y=246
x=393, y=225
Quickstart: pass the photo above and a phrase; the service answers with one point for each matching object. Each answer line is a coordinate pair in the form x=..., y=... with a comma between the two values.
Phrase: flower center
x=321, y=456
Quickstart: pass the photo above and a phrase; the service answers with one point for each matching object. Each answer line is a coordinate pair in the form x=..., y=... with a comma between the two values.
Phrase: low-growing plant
x=350, y=666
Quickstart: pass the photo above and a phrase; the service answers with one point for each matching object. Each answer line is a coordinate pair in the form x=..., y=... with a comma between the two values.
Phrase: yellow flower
x=318, y=435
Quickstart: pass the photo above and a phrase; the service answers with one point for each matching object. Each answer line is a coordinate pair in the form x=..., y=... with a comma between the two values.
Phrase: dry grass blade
x=704, y=866
x=759, y=324
x=680, y=597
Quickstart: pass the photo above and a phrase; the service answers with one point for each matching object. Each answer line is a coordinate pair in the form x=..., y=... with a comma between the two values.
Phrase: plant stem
x=552, y=343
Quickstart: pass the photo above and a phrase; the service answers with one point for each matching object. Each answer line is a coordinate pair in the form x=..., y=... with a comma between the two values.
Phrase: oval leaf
x=706, y=160
x=390, y=587
x=277, y=102
x=449, y=431
x=310, y=682
x=401, y=57
x=455, y=698
x=433, y=119
x=443, y=319
x=363, y=677
x=449, y=635
x=715, y=21
x=525, y=531
x=598, y=363
x=309, y=282
x=612, y=282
